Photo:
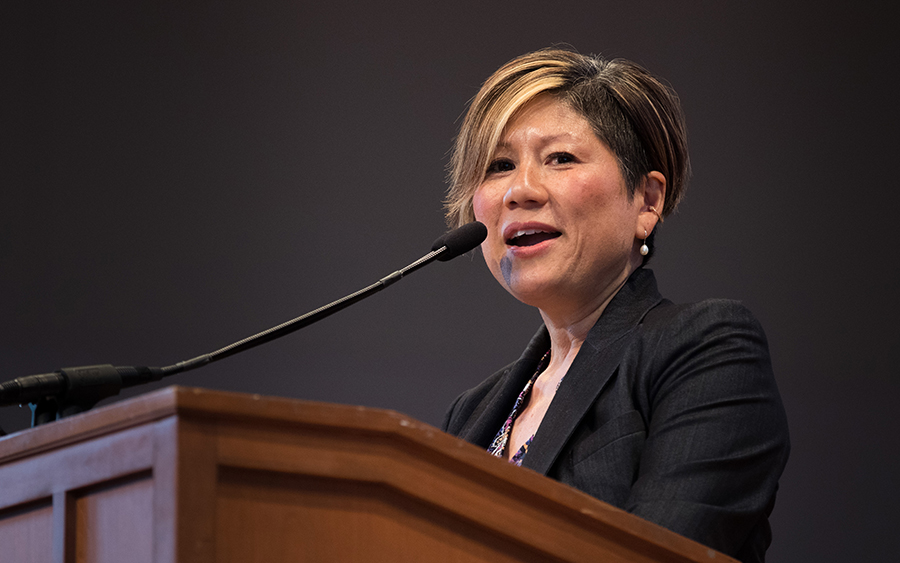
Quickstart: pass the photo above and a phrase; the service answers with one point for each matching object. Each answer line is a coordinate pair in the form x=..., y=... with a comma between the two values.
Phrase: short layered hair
x=637, y=116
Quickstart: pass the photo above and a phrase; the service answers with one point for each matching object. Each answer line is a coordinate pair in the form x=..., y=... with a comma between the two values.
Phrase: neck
x=568, y=330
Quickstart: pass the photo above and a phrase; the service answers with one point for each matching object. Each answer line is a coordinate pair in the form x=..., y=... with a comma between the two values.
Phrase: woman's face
x=562, y=232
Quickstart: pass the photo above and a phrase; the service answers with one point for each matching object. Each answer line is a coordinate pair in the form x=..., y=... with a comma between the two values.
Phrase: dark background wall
x=178, y=175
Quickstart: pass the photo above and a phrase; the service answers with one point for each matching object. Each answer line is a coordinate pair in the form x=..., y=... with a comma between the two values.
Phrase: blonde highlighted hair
x=637, y=116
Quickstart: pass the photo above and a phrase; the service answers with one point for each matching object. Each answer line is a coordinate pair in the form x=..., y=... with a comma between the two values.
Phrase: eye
x=562, y=158
x=500, y=165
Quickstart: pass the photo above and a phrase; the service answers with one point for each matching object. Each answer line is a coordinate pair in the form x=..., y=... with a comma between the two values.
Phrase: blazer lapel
x=596, y=362
x=492, y=412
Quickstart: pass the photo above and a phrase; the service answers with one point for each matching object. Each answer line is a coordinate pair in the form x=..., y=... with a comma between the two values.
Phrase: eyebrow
x=544, y=140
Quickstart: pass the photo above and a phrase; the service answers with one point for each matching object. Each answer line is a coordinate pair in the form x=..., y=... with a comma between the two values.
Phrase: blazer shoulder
x=701, y=316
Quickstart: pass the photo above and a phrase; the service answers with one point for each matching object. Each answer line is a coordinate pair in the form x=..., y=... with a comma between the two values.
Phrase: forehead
x=544, y=119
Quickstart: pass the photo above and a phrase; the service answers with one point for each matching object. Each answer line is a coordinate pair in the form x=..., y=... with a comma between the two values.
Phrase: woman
x=668, y=411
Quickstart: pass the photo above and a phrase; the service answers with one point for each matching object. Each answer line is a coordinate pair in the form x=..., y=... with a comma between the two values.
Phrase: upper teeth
x=527, y=232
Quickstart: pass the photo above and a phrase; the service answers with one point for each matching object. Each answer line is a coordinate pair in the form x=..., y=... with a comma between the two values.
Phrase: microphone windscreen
x=460, y=240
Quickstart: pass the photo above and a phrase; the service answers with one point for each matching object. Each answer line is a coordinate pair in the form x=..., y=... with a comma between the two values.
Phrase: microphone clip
x=84, y=387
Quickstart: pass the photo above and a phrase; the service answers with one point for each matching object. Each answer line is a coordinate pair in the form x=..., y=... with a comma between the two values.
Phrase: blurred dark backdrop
x=178, y=175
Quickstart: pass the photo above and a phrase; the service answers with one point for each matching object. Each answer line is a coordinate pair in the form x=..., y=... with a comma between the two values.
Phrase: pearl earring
x=645, y=250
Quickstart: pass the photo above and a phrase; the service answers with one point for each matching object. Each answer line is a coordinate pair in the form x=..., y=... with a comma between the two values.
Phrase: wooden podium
x=190, y=475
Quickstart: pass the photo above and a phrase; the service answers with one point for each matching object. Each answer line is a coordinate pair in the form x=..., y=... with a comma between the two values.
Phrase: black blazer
x=669, y=411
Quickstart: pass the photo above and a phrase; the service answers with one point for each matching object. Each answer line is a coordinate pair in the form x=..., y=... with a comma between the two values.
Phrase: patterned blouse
x=501, y=440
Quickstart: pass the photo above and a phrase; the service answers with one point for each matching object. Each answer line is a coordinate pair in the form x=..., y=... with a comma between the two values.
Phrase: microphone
x=460, y=240
x=72, y=390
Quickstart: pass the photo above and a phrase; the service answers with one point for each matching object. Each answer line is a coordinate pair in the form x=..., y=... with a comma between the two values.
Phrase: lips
x=529, y=236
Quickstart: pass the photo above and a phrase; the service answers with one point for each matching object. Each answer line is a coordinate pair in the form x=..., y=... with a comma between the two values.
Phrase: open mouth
x=531, y=237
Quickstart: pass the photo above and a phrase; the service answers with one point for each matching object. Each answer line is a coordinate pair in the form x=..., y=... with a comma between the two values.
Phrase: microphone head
x=460, y=240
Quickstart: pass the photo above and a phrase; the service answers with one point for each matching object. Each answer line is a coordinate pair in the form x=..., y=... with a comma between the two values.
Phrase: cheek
x=604, y=203
x=590, y=194
x=490, y=249
x=486, y=212
x=479, y=206
x=487, y=201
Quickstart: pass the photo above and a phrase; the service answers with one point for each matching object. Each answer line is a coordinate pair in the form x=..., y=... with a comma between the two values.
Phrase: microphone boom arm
x=303, y=320
x=72, y=390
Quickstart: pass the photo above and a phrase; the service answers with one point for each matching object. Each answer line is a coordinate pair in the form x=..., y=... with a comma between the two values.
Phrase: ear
x=651, y=193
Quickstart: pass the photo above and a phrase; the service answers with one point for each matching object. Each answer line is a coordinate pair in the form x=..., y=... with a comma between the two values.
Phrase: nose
x=526, y=188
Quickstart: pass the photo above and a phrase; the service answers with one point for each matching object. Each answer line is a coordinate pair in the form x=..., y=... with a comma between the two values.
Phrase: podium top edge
x=202, y=404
